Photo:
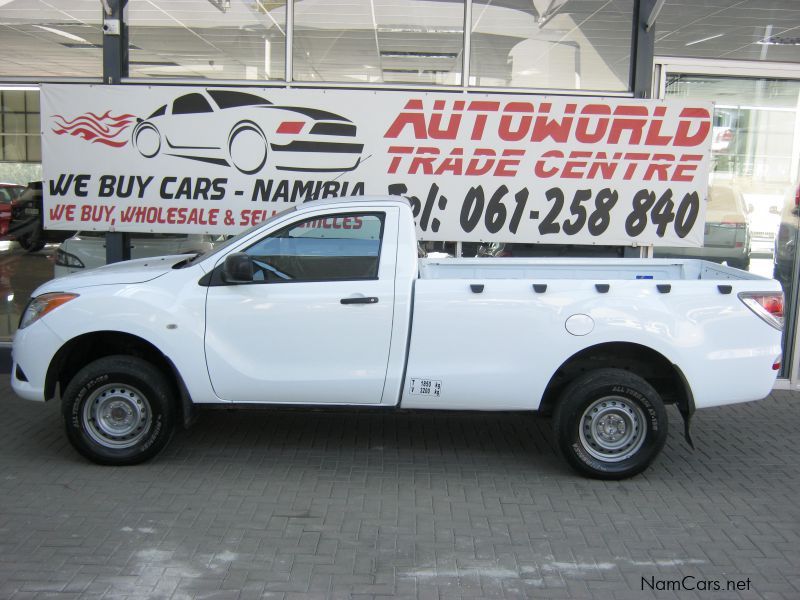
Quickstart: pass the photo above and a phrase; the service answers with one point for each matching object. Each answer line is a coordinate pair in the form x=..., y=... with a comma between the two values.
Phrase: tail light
x=766, y=305
x=797, y=197
x=293, y=127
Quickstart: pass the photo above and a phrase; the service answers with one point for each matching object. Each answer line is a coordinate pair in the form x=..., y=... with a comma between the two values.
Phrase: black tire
x=610, y=424
x=243, y=128
x=30, y=244
x=119, y=410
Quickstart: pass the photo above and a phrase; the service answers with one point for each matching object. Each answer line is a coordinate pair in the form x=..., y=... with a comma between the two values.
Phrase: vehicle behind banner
x=476, y=167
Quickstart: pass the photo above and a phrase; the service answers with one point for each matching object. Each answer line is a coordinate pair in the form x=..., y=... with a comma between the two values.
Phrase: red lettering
x=634, y=126
x=505, y=165
x=416, y=120
x=598, y=114
x=437, y=132
x=474, y=167
x=453, y=164
x=682, y=135
x=395, y=163
x=506, y=131
x=660, y=170
x=633, y=157
x=539, y=168
x=607, y=168
x=424, y=162
x=480, y=119
x=573, y=169
x=558, y=131
x=686, y=172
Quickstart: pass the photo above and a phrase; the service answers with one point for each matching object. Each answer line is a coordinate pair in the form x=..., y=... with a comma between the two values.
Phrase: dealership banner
x=476, y=167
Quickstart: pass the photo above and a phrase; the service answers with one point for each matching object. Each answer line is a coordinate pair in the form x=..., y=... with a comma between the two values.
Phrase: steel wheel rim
x=117, y=416
x=612, y=429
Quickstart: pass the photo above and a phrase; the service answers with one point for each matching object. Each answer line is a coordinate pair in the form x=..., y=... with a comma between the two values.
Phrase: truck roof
x=357, y=199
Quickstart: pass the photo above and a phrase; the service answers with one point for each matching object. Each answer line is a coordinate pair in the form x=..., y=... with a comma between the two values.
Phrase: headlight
x=65, y=259
x=41, y=305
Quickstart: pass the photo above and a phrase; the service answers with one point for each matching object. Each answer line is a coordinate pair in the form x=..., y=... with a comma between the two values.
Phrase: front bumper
x=33, y=350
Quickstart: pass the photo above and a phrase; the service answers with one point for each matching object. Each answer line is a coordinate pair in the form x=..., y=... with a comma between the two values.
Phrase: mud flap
x=686, y=408
x=686, y=414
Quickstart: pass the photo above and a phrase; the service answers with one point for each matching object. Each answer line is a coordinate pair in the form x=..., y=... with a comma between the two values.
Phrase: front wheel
x=610, y=424
x=30, y=243
x=247, y=147
x=119, y=410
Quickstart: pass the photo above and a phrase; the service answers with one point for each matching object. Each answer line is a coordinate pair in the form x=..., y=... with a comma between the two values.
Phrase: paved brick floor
x=282, y=504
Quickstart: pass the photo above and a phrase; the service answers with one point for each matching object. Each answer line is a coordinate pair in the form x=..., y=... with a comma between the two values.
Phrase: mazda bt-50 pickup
x=328, y=304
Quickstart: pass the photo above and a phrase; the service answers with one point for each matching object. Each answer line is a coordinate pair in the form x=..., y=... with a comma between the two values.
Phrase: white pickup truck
x=327, y=304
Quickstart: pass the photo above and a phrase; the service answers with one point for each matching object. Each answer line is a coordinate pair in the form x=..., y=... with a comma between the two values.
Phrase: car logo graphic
x=230, y=128
x=98, y=129
x=248, y=132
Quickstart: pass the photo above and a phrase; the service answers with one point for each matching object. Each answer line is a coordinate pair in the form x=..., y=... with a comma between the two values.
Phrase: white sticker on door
x=425, y=387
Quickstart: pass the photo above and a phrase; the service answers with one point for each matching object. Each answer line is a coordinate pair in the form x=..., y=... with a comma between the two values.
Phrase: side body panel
x=168, y=312
x=497, y=350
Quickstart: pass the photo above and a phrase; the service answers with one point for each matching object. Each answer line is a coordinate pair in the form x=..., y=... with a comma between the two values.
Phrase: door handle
x=360, y=300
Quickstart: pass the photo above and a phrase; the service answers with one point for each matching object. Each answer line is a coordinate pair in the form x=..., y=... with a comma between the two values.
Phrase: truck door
x=315, y=324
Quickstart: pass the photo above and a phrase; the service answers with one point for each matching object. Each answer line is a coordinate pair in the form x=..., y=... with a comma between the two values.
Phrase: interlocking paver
x=360, y=504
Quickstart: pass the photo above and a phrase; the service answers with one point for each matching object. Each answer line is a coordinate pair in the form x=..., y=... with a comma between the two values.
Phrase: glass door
x=753, y=208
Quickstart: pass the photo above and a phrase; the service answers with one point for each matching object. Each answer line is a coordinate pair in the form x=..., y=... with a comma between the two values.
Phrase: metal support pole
x=288, y=58
x=643, y=46
x=467, y=44
x=115, y=67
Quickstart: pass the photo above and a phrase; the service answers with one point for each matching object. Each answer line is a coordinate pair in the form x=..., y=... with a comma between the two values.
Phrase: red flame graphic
x=97, y=129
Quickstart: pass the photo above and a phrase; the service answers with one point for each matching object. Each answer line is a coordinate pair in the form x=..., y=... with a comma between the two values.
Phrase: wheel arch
x=238, y=127
x=652, y=366
x=88, y=347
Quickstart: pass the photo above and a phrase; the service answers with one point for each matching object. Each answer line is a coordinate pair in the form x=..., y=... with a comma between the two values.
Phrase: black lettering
x=261, y=190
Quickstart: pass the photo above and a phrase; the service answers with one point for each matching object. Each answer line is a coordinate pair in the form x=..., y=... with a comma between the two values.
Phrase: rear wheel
x=610, y=424
x=119, y=410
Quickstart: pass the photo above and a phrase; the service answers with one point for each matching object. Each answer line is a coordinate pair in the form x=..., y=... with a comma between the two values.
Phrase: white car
x=87, y=249
x=327, y=304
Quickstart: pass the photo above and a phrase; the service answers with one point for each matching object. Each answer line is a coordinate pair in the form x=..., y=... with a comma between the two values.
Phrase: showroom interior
x=742, y=55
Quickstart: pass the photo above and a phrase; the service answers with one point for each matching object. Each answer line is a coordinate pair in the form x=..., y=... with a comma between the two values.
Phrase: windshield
x=233, y=239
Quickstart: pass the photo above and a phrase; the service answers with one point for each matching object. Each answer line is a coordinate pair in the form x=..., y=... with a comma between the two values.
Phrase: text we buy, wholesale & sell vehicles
x=602, y=344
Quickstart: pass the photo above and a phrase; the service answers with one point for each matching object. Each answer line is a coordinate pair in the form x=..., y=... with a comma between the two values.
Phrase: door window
x=340, y=247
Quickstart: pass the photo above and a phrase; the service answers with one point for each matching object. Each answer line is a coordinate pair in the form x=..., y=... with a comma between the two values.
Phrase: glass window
x=337, y=248
x=208, y=39
x=190, y=104
x=51, y=38
x=379, y=41
x=19, y=126
x=730, y=29
x=580, y=44
x=231, y=99
x=751, y=215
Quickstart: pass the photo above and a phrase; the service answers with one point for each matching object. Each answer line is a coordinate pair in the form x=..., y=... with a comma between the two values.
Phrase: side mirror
x=237, y=268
